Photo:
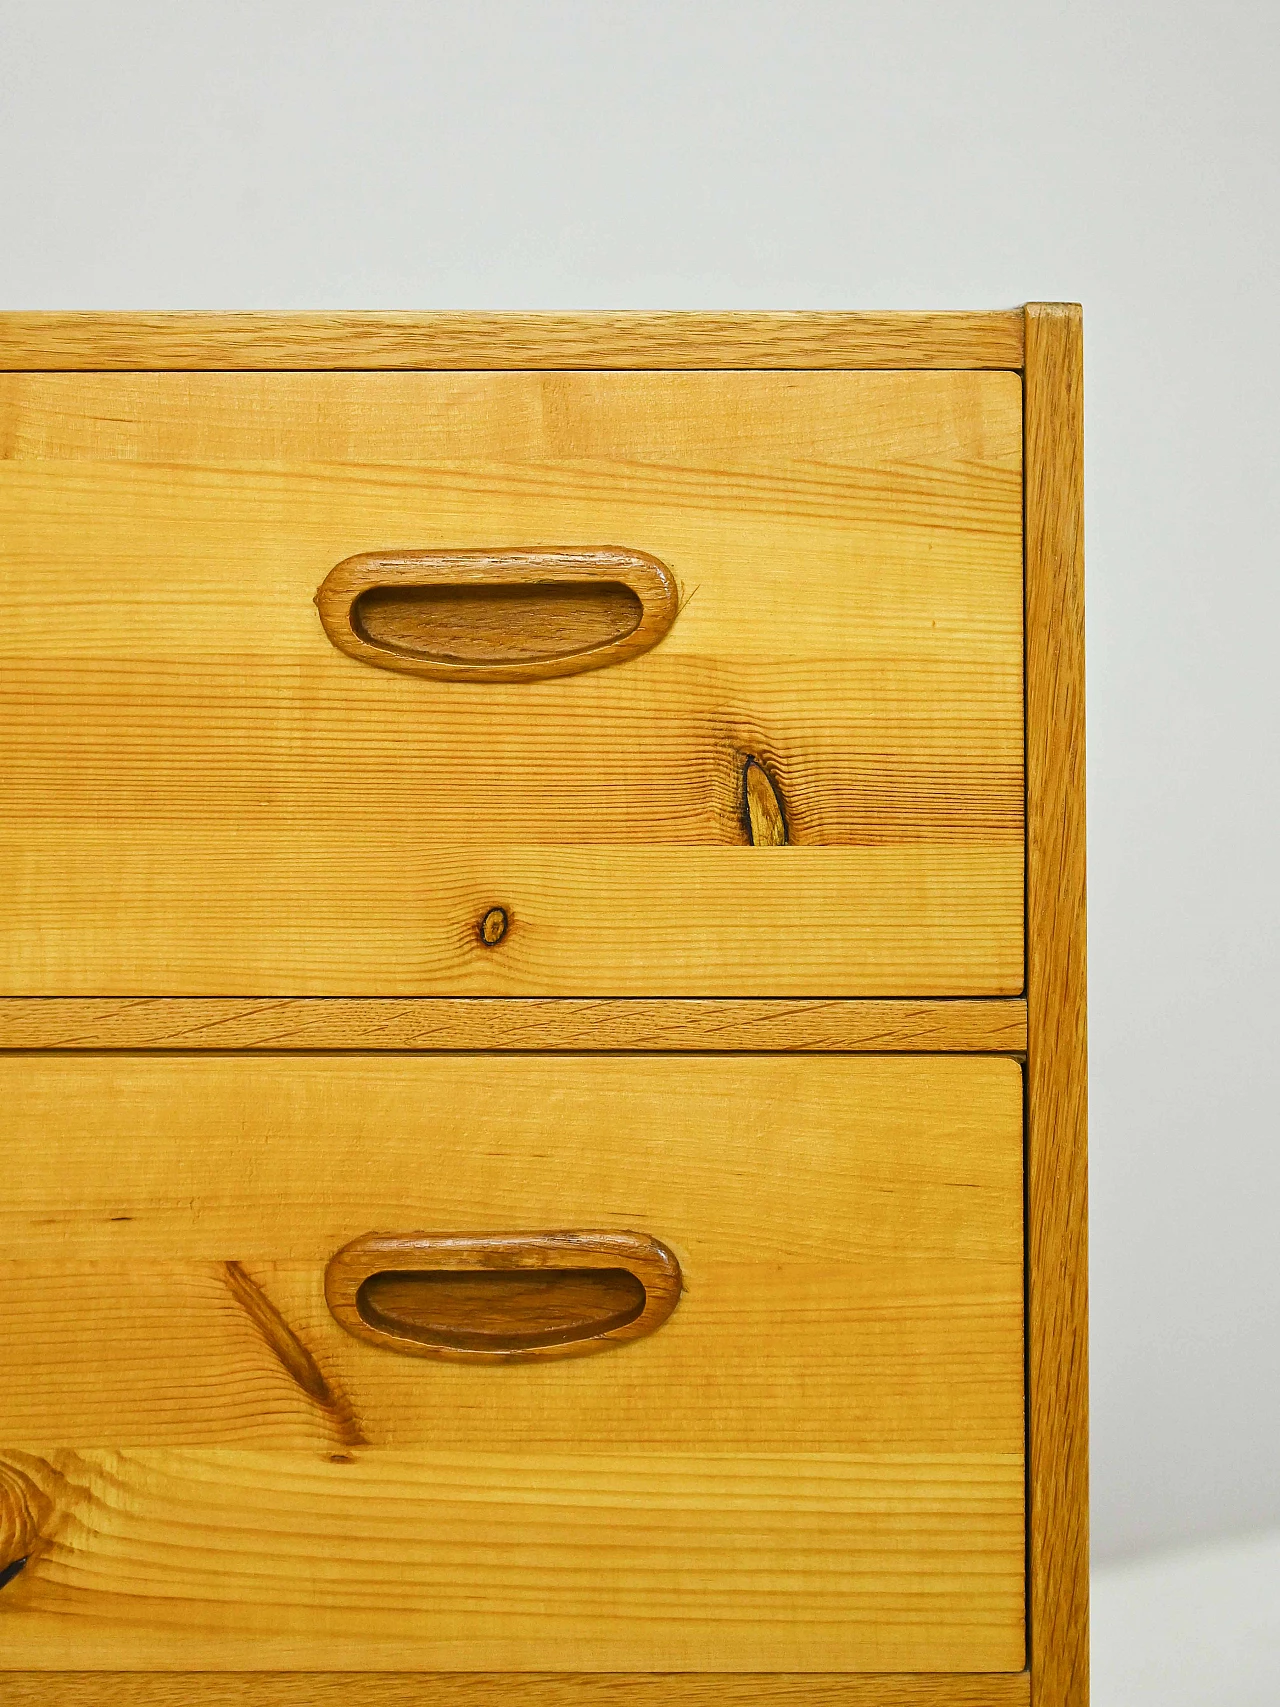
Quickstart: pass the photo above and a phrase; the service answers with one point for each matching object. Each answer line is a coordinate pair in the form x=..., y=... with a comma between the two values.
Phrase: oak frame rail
x=1056, y=1127
x=96, y=342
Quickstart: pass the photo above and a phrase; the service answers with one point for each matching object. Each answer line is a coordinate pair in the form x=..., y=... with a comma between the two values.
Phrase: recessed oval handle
x=502, y=1297
x=498, y=616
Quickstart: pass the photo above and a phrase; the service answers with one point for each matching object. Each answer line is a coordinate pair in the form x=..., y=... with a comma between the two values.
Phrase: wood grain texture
x=263, y=913
x=376, y=1288
x=291, y=1353
x=1057, y=1042
x=26, y=1521
x=816, y=1464
x=236, y=1560
x=929, y=1332
x=459, y=340
x=493, y=1023
x=498, y=616
x=471, y=1689
x=205, y=798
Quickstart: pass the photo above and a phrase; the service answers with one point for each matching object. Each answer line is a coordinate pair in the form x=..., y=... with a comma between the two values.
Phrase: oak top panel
x=476, y=340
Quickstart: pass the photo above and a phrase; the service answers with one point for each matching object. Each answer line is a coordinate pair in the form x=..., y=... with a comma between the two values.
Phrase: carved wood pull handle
x=501, y=1297
x=497, y=616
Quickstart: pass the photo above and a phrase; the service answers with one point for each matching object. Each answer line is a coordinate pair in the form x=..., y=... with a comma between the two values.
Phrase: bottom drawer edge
x=528, y=1689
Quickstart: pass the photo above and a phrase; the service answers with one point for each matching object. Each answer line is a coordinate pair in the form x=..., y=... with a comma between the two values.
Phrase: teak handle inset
x=498, y=616
x=501, y=1297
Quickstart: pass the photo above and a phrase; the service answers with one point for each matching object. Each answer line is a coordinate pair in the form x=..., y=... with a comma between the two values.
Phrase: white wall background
x=664, y=154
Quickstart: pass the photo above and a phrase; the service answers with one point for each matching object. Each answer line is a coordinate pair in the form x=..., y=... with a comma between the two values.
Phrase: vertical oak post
x=1058, y=1528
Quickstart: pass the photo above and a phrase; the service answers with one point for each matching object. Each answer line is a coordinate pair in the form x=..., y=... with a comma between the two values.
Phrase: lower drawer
x=813, y=1463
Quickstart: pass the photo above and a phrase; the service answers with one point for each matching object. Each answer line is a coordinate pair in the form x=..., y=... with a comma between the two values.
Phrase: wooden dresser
x=542, y=1009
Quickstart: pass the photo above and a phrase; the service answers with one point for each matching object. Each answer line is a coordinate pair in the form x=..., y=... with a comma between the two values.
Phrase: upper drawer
x=206, y=796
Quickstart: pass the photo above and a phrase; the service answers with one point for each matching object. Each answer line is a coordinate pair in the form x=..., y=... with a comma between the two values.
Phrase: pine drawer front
x=811, y=784
x=814, y=1464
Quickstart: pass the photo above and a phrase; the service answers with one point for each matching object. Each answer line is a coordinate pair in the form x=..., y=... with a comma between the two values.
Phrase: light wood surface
x=502, y=1297
x=498, y=616
x=206, y=1560
x=266, y=913
x=923, y=1340
x=1057, y=1107
x=816, y=1464
x=205, y=798
x=462, y=1689
x=460, y=340
x=492, y=1023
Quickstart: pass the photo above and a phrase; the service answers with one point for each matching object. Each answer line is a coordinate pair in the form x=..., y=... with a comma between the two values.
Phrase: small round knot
x=493, y=927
